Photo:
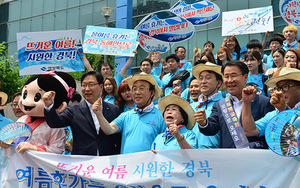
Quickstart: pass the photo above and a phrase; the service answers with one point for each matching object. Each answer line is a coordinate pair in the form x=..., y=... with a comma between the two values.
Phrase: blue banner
x=110, y=41
x=53, y=50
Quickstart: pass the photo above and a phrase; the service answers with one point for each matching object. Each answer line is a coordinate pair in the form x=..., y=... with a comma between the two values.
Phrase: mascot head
x=31, y=102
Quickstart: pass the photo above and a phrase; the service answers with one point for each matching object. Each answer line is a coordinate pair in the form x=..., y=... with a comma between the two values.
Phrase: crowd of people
x=216, y=101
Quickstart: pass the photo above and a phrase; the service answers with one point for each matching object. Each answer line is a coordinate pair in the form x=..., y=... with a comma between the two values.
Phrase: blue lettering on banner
x=100, y=34
x=25, y=175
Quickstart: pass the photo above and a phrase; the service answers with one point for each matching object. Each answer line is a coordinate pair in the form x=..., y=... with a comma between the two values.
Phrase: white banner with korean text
x=247, y=21
x=212, y=168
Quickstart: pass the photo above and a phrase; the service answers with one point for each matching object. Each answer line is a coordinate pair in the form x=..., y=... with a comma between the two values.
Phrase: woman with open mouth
x=179, y=118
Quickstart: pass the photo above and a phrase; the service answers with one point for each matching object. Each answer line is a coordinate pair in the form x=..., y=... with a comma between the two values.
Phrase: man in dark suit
x=235, y=78
x=88, y=138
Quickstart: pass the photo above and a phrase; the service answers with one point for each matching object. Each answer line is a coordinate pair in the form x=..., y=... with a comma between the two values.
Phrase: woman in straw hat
x=179, y=118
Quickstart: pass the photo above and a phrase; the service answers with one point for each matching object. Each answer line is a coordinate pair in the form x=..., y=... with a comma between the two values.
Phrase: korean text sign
x=51, y=50
x=169, y=168
x=257, y=20
x=109, y=41
x=290, y=11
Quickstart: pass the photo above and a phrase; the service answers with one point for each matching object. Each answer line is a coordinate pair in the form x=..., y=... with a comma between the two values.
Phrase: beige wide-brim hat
x=3, y=97
x=148, y=78
x=208, y=67
x=285, y=74
x=176, y=100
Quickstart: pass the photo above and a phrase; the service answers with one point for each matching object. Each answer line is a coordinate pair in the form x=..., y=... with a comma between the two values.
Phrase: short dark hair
x=15, y=95
x=98, y=76
x=276, y=38
x=106, y=64
x=76, y=97
x=148, y=60
x=200, y=61
x=242, y=66
x=177, y=48
x=209, y=42
x=254, y=43
x=173, y=56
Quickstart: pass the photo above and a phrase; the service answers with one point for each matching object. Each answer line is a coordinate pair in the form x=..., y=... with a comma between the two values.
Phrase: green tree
x=11, y=82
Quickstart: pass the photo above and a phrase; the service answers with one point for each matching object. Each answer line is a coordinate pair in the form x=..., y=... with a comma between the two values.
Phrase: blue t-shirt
x=270, y=62
x=4, y=121
x=186, y=66
x=288, y=46
x=235, y=55
x=118, y=79
x=127, y=108
x=166, y=79
x=139, y=130
x=161, y=143
x=204, y=141
x=109, y=99
x=156, y=71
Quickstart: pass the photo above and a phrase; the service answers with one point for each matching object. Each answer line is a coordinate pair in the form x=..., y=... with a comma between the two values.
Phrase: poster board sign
x=166, y=26
x=151, y=44
x=169, y=168
x=197, y=12
x=248, y=21
x=50, y=50
x=290, y=11
x=110, y=41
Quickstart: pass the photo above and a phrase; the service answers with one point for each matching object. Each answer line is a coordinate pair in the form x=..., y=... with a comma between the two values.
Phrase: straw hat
x=3, y=97
x=148, y=78
x=208, y=67
x=285, y=74
x=176, y=100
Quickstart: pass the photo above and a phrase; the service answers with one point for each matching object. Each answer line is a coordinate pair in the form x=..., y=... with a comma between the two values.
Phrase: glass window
x=3, y=34
x=72, y=3
x=73, y=18
x=14, y=10
x=25, y=9
x=49, y=6
x=36, y=24
x=36, y=7
x=98, y=18
x=13, y=28
x=86, y=17
x=48, y=22
x=25, y=25
x=12, y=48
x=60, y=20
x=60, y=4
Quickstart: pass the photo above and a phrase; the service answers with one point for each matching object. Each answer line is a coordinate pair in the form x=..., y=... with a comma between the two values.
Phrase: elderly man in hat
x=286, y=96
x=141, y=125
x=226, y=113
x=211, y=79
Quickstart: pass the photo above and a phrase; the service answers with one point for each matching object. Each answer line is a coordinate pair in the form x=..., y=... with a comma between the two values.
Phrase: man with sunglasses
x=286, y=96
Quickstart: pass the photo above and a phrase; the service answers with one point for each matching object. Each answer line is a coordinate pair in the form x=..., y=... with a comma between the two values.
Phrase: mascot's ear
x=61, y=108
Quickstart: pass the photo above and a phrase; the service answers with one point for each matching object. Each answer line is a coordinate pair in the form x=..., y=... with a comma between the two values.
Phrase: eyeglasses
x=141, y=89
x=286, y=87
x=15, y=105
x=91, y=85
x=233, y=76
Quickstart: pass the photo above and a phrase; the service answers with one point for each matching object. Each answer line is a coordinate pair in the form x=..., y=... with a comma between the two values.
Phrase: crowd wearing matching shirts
x=222, y=100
